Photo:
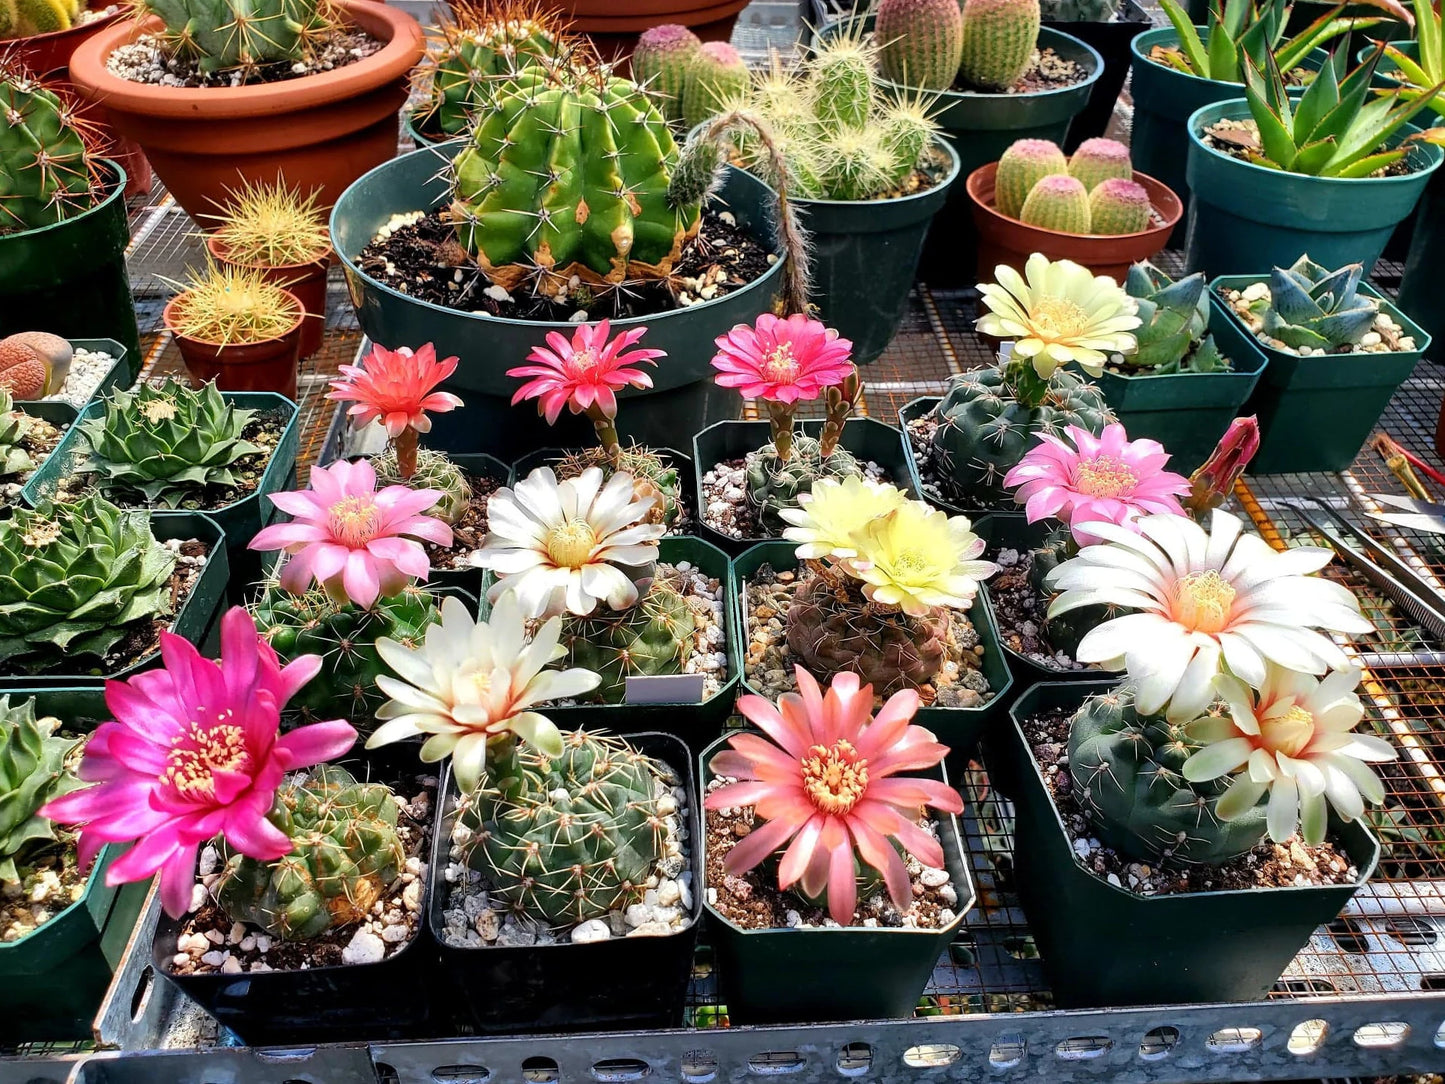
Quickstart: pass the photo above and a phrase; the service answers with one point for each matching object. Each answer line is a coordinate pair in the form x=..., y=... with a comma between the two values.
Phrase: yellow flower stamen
x=1202, y=601
x=780, y=366
x=353, y=521
x=1059, y=318
x=835, y=776
x=1289, y=733
x=1104, y=476
x=198, y=753
x=571, y=544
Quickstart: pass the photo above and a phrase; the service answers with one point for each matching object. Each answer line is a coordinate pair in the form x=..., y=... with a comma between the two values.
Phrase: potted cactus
x=822, y=857
x=1337, y=350
x=266, y=91
x=1091, y=207
x=66, y=234
x=1149, y=802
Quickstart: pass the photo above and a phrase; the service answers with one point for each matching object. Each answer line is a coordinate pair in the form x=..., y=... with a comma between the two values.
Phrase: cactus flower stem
x=1020, y=374
x=405, y=444
x=841, y=399
x=605, y=426
x=780, y=416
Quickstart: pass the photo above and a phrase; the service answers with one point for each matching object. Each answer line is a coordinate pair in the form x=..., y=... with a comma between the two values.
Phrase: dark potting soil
x=1019, y=610
x=423, y=259
x=249, y=948
x=145, y=61
x=1240, y=138
x=40, y=439
x=936, y=482
x=1269, y=865
x=468, y=532
x=1047, y=70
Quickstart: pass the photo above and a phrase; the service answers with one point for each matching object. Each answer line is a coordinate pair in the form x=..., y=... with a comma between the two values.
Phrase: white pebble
x=594, y=929
x=393, y=934
x=215, y=958
x=232, y=966
x=365, y=948
x=933, y=878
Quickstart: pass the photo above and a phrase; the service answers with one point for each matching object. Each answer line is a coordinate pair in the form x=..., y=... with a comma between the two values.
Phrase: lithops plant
x=49, y=170
x=24, y=372
x=55, y=352
x=998, y=41
x=1024, y=164
x=921, y=41
x=661, y=62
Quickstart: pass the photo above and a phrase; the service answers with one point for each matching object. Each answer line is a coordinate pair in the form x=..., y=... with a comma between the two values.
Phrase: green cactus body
x=14, y=426
x=908, y=132
x=984, y=427
x=76, y=579
x=571, y=176
x=1118, y=206
x=474, y=60
x=998, y=41
x=1098, y=160
x=717, y=73
x=1174, y=335
x=921, y=41
x=1126, y=773
x=1059, y=203
x=345, y=855
x=655, y=476
x=1022, y=166
x=239, y=35
x=25, y=18
x=345, y=637
x=661, y=61
x=653, y=637
x=569, y=838
x=774, y=484
x=167, y=444
x=1064, y=631
x=433, y=471
x=855, y=163
x=1311, y=308
x=841, y=75
x=47, y=171
x=32, y=772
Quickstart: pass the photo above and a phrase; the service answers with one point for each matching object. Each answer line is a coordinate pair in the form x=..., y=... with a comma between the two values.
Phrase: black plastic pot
x=1179, y=949
x=197, y=621
x=44, y=273
x=867, y=438
x=621, y=983
x=1189, y=412
x=912, y=411
x=52, y=980
x=1422, y=290
x=1316, y=413
x=958, y=728
x=1111, y=41
x=683, y=398
x=774, y=976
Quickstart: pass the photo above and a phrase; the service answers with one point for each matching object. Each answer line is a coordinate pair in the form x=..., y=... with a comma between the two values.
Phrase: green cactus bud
x=239, y=35
x=1059, y=203
x=998, y=41
x=841, y=75
x=1118, y=206
x=481, y=48
x=32, y=772
x=775, y=484
x=654, y=637
x=717, y=73
x=922, y=41
x=14, y=426
x=661, y=62
x=1023, y=165
x=47, y=170
x=1311, y=308
x=345, y=855
x=434, y=470
x=1126, y=774
x=1097, y=160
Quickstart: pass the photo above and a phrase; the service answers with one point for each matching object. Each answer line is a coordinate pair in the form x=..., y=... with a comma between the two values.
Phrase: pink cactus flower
x=585, y=374
x=397, y=386
x=359, y=544
x=194, y=751
x=782, y=360
x=823, y=782
x=1085, y=478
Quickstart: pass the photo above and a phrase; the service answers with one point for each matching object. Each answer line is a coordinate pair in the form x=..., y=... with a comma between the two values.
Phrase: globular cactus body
x=434, y=470
x=1118, y=206
x=998, y=41
x=774, y=484
x=1060, y=203
x=480, y=53
x=921, y=41
x=716, y=75
x=1023, y=165
x=655, y=476
x=1098, y=159
x=24, y=18
x=652, y=638
x=32, y=772
x=47, y=170
x=661, y=61
x=239, y=35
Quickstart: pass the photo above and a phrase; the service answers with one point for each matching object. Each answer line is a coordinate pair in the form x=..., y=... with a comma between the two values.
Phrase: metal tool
x=1417, y=515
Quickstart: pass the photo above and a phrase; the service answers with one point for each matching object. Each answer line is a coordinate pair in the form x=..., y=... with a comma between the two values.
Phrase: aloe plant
x=1336, y=129
x=1428, y=71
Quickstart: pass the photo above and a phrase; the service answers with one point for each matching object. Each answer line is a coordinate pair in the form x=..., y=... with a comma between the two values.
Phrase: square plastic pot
x=60, y=415
x=1181, y=948
x=620, y=983
x=867, y=438
x=912, y=411
x=198, y=619
x=121, y=374
x=776, y=976
x=1189, y=412
x=1111, y=41
x=1316, y=413
x=958, y=728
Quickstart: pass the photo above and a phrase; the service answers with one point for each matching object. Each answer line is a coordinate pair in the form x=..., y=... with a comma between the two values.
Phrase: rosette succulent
x=1173, y=335
x=32, y=772
x=14, y=425
x=1315, y=309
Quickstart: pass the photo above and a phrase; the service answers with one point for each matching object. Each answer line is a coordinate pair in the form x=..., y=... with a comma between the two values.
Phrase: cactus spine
x=1118, y=206
x=921, y=41
x=1097, y=160
x=998, y=41
x=1023, y=165
x=433, y=471
x=1058, y=203
x=841, y=73
x=661, y=62
x=47, y=170
x=240, y=35
x=653, y=637
x=716, y=75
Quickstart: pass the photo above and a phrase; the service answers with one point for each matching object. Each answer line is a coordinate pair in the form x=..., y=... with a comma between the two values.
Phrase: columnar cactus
x=32, y=772
x=569, y=838
x=661, y=61
x=14, y=425
x=481, y=47
x=921, y=41
x=1058, y=202
x=716, y=75
x=1098, y=159
x=239, y=35
x=345, y=855
x=654, y=637
x=998, y=41
x=1023, y=165
x=841, y=74
x=48, y=172
x=1118, y=206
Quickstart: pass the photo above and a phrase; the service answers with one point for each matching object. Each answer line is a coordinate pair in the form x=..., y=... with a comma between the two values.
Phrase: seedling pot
x=121, y=374
x=306, y=281
x=263, y=366
x=1183, y=948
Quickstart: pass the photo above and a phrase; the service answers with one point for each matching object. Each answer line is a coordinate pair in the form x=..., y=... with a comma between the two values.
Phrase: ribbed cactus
x=1058, y=202
x=1125, y=770
x=345, y=855
x=32, y=772
x=481, y=47
x=661, y=62
x=655, y=476
x=239, y=35
x=653, y=637
x=1023, y=165
x=345, y=637
x=434, y=470
x=14, y=425
x=1098, y=159
x=921, y=41
x=1065, y=630
x=574, y=173
x=23, y=18
x=1118, y=206
x=570, y=838
x=717, y=74
x=998, y=41
x=1173, y=336
x=47, y=170
x=841, y=75
x=774, y=484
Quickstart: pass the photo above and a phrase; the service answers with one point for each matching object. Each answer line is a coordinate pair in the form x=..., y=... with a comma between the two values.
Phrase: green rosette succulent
x=32, y=772
x=14, y=425
x=1312, y=308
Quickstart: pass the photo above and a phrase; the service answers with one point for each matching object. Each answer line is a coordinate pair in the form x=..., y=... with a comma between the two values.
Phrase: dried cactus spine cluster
x=33, y=770
x=239, y=35
x=48, y=169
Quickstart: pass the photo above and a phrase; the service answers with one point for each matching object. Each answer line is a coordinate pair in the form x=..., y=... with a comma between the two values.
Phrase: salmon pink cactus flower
x=397, y=387
x=1080, y=477
x=194, y=751
x=824, y=783
x=358, y=543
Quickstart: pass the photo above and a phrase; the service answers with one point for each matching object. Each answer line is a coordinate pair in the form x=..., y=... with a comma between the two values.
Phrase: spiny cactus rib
x=239, y=35
x=49, y=171
x=661, y=61
x=715, y=75
x=998, y=41
x=922, y=41
x=652, y=638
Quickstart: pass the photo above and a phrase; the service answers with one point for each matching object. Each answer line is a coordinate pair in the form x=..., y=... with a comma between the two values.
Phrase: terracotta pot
x=263, y=366
x=319, y=131
x=46, y=54
x=307, y=281
x=1007, y=240
x=615, y=25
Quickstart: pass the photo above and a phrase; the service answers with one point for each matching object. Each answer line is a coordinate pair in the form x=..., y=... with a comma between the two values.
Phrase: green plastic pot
x=1246, y=218
x=957, y=728
x=198, y=619
x=1189, y=412
x=122, y=374
x=775, y=976
x=912, y=411
x=411, y=125
x=60, y=415
x=1179, y=949
x=1316, y=413
x=867, y=438
x=70, y=278
x=683, y=394
x=52, y=980
x=1422, y=290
